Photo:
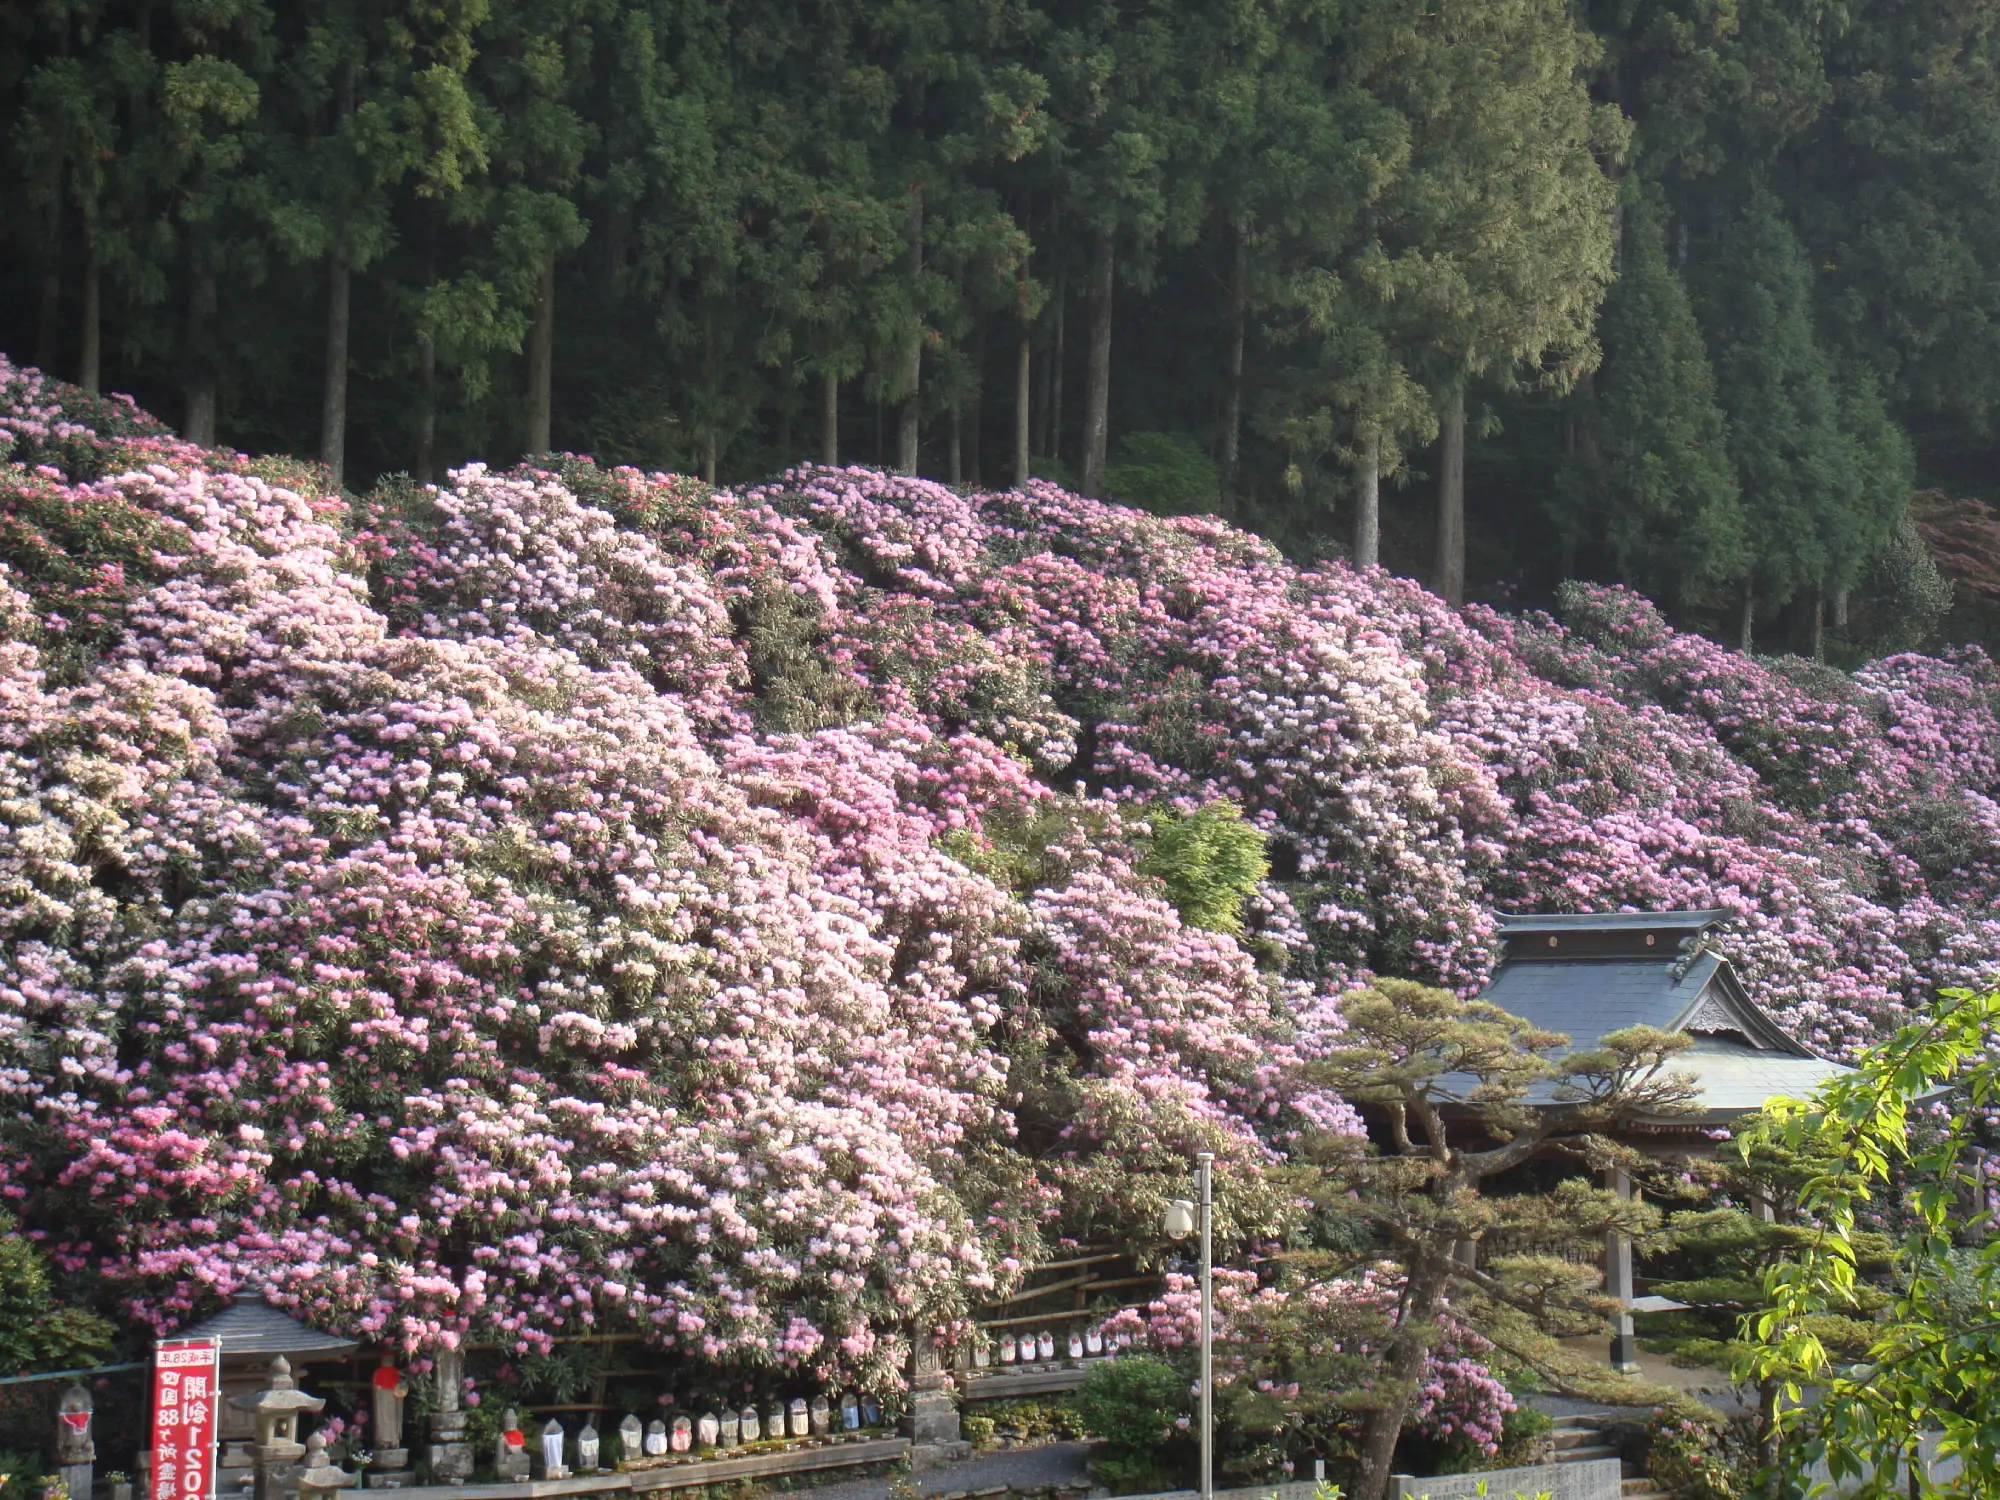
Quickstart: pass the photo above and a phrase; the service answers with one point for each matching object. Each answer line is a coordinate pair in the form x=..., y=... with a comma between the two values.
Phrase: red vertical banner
x=187, y=1389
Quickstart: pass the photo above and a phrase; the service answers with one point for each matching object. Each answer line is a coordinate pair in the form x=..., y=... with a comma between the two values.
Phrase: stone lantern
x=320, y=1479
x=274, y=1412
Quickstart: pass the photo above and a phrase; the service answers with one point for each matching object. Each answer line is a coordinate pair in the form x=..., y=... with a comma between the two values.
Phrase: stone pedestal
x=396, y=1476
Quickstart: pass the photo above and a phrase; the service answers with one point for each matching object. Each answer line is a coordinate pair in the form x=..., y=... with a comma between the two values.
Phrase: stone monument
x=451, y=1454
x=931, y=1422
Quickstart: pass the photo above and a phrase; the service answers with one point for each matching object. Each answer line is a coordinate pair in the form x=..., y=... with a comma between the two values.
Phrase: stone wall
x=1595, y=1479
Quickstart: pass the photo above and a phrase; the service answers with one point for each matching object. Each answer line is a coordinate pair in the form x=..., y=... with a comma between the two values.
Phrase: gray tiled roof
x=1736, y=1078
x=1610, y=979
x=1520, y=923
x=1585, y=997
x=253, y=1326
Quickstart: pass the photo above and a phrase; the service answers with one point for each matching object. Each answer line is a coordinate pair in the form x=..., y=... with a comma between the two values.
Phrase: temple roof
x=1587, y=974
x=254, y=1327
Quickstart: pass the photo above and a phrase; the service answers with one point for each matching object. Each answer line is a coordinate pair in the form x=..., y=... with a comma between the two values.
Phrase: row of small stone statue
x=815, y=1418
x=1031, y=1348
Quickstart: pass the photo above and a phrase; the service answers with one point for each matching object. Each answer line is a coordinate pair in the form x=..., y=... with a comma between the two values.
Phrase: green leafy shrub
x=1134, y=1473
x=1169, y=473
x=1521, y=1436
x=1131, y=1405
x=1210, y=861
x=38, y=1331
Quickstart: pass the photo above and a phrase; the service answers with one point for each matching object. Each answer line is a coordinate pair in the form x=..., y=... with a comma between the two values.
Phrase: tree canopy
x=1307, y=237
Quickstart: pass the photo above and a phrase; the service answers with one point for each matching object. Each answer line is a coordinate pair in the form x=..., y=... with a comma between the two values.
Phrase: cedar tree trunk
x=1448, y=573
x=1097, y=392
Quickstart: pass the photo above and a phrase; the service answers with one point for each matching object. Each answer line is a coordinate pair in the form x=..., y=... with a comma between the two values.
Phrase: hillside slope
x=574, y=899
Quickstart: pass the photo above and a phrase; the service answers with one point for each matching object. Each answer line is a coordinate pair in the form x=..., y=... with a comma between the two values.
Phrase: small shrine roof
x=1588, y=974
x=1524, y=924
x=252, y=1326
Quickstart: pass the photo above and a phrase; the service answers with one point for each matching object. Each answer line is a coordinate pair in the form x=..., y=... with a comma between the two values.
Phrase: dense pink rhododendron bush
x=569, y=900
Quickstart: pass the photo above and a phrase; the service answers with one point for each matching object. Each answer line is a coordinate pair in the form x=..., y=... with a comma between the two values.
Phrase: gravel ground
x=1023, y=1468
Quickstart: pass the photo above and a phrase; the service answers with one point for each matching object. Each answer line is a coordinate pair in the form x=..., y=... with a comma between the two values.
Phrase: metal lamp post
x=1179, y=1221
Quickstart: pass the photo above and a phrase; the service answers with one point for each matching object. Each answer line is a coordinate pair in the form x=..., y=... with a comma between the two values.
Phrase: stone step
x=1585, y=1454
x=1581, y=1419
x=1641, y=1489
x=1575, y=1437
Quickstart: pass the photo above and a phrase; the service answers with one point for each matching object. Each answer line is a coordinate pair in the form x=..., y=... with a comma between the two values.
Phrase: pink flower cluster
x=571, y=899
x=413, y=912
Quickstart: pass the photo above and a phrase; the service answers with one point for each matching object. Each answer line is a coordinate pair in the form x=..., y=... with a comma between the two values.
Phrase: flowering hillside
x=575, y=900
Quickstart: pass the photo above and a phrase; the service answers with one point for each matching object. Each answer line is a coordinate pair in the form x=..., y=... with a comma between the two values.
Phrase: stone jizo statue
x=389, y=1393
x=747, y=1424
x=510, y=1449
x=822, y=1417
x=631, y=1439
x=708, y=1431
x=681, y=1437
x=553, y=1455
x=587, y=1449
x=76, y=1449
x=656, y=1438
x=850, y=1413
x=730, y=1428
x=74, y=1444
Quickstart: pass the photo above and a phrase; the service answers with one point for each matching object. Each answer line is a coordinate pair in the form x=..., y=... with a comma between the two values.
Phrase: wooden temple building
x=1589, y=974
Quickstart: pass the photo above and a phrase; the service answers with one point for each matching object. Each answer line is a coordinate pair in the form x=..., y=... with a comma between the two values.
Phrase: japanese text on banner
x=186, y=1389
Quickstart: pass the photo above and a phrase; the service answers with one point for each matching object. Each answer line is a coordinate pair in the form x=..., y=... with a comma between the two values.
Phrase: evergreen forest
x=1697, y=296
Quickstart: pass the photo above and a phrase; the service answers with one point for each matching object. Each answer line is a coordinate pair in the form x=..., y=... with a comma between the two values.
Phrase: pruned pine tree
x=1460, y=1091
